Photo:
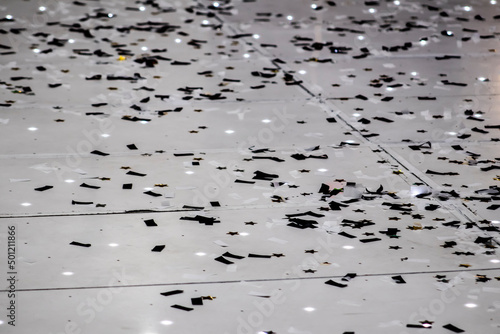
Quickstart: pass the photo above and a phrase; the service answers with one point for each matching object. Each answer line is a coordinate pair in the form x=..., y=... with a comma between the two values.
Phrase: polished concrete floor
x=249, y=166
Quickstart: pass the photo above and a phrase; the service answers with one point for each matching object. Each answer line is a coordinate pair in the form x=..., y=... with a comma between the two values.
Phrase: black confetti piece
x=158, y=248
x=76, y=243
x=150, y=223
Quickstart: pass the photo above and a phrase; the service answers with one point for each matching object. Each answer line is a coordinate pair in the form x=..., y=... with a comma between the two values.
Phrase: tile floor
x=249, y=166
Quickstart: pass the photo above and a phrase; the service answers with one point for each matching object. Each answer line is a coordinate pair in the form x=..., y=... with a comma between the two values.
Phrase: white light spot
x=110, y=15
x=71, y=41
x=1, y=322
x=113, y=245
x=246, y=55
x=166, y=322
x=423, y=42
x=69, y=181
x=414, y=73
x=467, y=8
x=256, y=36
x=266, y=121
x=356, y=114
x=309, y=309
x=148, y=188
x=302, y=72
x=189, y=172
x=495, y=261
x=32, y=128
x=361, y=37
x=481, y=79
x=144, y=48
x=348, y=247
x=105, y=135
x=229, y=131
x=201, y=254
x=449, y=33
x=427, y=325
x=205, y=22
x=68, y=273
x=36, y=50
x=389, y=89
x=42, y=8
x=144, y=122
x=397, y=3
x=25, y=204
x=495, y=221
x=142, y=8
x=9, y=17
x=350, y=141
x=470, y=305
x=451, y=133
x=372, y=10
x=244, y=234
x=493, y=2
x=322, y=170
x=314, y=6
x=178, y=40
x=216, y=4
x=289, y=17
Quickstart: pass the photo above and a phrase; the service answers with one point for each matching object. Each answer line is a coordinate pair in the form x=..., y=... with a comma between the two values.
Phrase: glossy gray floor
x=250, y=166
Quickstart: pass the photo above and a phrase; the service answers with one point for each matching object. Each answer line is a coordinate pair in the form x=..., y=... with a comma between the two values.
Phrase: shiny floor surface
x=249, y=166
